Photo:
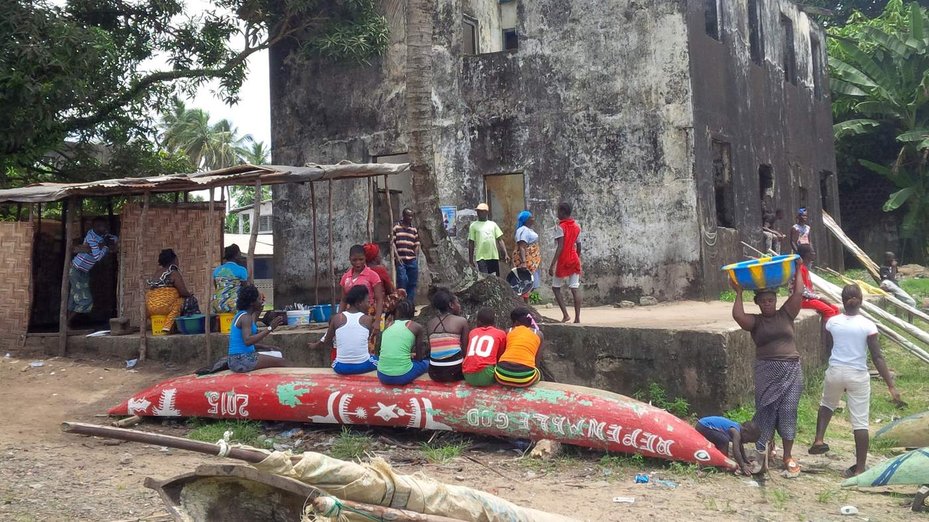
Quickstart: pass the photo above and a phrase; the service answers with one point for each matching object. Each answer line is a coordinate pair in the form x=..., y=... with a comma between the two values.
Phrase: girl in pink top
x=360, y=274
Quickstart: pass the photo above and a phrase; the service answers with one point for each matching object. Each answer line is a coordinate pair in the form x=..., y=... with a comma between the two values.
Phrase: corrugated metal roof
x=237, y=175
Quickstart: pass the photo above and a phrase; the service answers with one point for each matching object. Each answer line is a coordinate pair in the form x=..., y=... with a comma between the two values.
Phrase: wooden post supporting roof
x=315, y=242
x=211, y=248
x=332, y=277
x=253, y=237
x=390, y=233
x=67, y=209
x=143, y=309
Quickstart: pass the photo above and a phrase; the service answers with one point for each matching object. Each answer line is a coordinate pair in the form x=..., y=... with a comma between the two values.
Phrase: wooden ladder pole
x=143, y=309
x=67, y=209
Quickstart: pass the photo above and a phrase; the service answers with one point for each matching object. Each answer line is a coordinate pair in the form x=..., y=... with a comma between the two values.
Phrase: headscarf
x=801, y=211
x=522, y=218
x=371, y=252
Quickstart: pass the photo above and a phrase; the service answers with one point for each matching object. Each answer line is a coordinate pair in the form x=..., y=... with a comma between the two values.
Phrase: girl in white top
x=850, y=337
x=349, y=330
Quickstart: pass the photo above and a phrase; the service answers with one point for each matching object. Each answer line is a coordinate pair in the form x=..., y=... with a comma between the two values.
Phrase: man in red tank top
x=566, y=264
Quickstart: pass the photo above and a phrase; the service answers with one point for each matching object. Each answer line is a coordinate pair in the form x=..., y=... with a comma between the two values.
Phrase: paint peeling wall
x=767, y=120
x=594, y=108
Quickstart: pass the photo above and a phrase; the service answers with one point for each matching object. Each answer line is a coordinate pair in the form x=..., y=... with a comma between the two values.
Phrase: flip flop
x=791, y=468
x=850, y=471
x=818, y=449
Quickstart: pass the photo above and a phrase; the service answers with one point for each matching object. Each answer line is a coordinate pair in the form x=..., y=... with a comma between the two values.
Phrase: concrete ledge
x=693, y=350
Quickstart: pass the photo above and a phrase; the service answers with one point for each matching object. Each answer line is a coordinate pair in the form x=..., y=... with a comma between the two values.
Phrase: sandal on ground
x=819, y=449
x=850, y=471
x=791, y=468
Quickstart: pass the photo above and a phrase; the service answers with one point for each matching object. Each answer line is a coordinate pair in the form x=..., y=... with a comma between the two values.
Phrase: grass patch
x=779, y=498
x=441, y=453
x=350, y=445
x=206, y=430
x=918, y=288
x=611, y=461
x=658, y=397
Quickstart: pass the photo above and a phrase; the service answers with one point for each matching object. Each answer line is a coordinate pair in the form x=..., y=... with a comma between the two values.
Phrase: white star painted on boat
x=386, y=412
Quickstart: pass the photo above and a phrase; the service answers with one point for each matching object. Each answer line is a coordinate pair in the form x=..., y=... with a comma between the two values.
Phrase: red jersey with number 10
x=485, y=345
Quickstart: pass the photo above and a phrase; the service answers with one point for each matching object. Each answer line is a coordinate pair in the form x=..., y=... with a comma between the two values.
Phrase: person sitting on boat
x=245, y=352
x=448, y=332
x=403, y=350
x=167, y=294
x=519, y=365
x=227, y=279
x=392, y=294
x=721, y=431
x=778, y=373
x=850, y=337
x=812, y=300
x=349, y=331
x=485, y=344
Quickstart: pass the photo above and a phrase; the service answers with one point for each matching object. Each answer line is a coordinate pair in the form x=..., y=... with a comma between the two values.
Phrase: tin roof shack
x=649, y=116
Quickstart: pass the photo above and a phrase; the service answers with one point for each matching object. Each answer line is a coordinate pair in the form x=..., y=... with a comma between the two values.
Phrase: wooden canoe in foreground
x=569, y=414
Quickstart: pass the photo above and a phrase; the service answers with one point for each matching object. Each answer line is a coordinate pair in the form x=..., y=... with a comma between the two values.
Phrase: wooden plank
x=866, y=261
x=390, y=233
x=332, y=299
x=315, y=242
x=211, y=249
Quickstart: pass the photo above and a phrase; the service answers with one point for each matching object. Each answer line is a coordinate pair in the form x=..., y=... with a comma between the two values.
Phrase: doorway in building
x=506, y=196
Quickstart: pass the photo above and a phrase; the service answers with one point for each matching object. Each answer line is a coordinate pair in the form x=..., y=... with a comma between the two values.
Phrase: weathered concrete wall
x=595, y=108
x=766, y=120
x=712, y=370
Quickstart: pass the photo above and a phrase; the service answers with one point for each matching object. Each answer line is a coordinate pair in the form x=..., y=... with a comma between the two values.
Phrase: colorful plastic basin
x=322, y=313
x=765, y=272
x=191, y=324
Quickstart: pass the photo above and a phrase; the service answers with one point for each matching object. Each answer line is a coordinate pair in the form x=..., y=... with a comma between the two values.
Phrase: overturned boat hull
x=570, y=414
x=908, y=432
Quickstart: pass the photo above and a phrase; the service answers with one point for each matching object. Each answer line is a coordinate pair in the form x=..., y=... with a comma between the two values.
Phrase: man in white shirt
x=850, y=337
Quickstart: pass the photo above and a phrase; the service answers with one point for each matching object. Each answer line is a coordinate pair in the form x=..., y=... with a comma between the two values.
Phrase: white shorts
x=573, y=281
x=856, y=386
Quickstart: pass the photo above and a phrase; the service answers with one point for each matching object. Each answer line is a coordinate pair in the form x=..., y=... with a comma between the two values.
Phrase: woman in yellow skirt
x=167, y=294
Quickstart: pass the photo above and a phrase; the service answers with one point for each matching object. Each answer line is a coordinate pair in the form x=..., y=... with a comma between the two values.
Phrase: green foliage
x=206, y=430
x=880, y=84
x=842, y=10
x=780, y=498
x=350, y=445
x=87, y=70
x=658, y=397
x=535, y=298
x=441, y=453
x=918, y=288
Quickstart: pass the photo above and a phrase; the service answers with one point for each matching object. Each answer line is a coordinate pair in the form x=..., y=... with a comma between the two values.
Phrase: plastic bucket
x=225, y=322
x=322, y=313
x=158, y=322
x=298, y=317
x=765, y=272
x=191, y=324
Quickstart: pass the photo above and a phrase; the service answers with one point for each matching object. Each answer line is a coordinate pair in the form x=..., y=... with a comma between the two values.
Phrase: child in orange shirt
x=485, y=344
x=519, y=364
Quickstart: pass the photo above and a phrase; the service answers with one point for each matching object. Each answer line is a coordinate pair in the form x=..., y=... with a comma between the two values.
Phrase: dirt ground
x=48, y=475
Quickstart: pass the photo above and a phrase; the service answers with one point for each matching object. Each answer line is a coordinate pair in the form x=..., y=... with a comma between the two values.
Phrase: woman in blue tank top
x=244, y=335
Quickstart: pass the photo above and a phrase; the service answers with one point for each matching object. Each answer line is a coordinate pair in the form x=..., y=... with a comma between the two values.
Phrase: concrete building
x=663, y=122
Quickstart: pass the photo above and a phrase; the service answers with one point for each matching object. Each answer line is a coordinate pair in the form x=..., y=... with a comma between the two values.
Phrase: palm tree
x=445, y=262
x=880, y=83
x=253, y=152
x=209, y=146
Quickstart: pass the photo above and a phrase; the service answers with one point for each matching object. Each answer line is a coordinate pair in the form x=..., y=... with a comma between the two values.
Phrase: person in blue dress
x=227, y=279
x=244, y=335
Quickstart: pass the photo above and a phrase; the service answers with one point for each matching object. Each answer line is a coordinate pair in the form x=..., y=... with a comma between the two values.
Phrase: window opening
x=756, y=31
x=712, y=19
x=510, y=40
x=469, y=43
x=790, y=55
x=817, y=63
x=722, y=183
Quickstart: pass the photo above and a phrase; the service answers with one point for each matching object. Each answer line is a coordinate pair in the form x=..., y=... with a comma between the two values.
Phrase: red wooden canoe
x=569, y=414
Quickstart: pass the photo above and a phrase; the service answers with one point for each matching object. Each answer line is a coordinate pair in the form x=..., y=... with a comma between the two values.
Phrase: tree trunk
x=447, y=266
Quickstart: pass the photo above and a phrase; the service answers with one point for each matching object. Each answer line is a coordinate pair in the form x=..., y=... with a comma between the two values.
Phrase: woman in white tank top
x=349, y=331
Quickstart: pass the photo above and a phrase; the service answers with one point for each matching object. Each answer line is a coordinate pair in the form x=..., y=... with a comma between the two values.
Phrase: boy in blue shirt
x=721, y=431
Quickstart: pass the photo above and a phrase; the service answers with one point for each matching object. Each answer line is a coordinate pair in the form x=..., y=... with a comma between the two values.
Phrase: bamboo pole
x=143, y=310
x=211, y=250
x=390, y=232
x=66, y=211
x=315, y=241
x=253, y=236
x=890, y=299
x=332, y=300
x=866, y=261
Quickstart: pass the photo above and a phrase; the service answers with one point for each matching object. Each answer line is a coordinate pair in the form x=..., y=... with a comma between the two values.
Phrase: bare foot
x=577, y=320
x=565, y=319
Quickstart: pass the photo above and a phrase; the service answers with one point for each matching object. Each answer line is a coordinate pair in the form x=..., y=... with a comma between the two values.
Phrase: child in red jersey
x=485, y=345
